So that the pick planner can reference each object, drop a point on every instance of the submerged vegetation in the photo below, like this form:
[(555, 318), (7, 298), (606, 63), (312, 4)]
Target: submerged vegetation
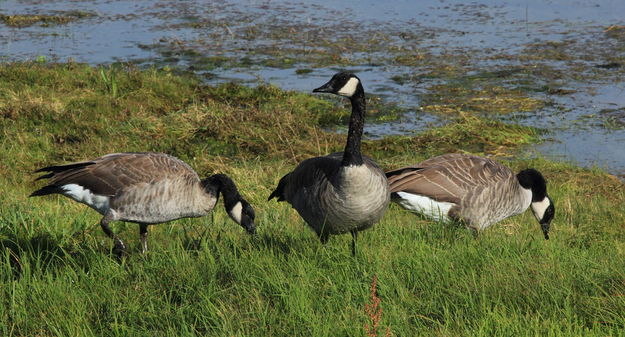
[(207, 277)]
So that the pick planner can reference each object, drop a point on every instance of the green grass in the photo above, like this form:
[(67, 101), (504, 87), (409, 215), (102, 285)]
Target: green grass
[(207, 277)]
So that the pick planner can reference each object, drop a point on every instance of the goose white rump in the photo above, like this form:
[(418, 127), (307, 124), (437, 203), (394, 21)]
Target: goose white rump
[(78, 193), (436, 210)]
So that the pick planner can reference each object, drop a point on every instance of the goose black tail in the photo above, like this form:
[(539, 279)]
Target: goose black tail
[(51, 171), (50, 189), (61, 168)]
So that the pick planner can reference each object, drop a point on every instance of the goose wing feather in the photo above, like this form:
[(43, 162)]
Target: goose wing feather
[(309, 175), (448, 178), (112, 173)]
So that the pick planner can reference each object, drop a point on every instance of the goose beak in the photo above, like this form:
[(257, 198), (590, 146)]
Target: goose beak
[(325, 88), (249, 227), (251, 230), (545, 228)]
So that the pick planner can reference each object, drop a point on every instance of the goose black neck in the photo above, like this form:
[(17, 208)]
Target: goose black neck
[(352, 155), (534, 180), (224, 185)]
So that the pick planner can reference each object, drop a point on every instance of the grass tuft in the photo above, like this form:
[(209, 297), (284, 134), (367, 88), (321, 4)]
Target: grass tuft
[(464, 134)]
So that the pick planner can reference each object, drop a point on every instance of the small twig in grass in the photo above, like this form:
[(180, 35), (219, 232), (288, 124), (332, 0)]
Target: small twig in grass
[(374, 311)]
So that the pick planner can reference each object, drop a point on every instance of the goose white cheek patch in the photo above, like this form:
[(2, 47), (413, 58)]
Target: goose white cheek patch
[(539, 208), (236, 213), (349, 89)]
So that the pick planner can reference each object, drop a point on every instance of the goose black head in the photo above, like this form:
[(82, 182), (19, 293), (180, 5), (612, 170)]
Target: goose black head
[(237, 208), (542, 205), (243, 214), (342, 84)]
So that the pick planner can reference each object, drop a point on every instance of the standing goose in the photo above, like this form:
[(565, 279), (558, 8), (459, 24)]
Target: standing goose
[(341, 192), (476, 190), (145, 188)]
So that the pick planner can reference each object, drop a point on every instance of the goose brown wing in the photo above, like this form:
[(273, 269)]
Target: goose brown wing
[(470, 168), (109, 174), (309, 175), (448, 177), (432, 182), (490, 172), (445, 158)]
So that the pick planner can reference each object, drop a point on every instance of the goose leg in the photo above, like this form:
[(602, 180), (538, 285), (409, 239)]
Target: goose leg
[(119, 247), (143, 233), (324, 237), (354, 238)]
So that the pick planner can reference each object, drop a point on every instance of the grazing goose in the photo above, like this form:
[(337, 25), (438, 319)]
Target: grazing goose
[(476, 190), (145, 188), (344, 191)]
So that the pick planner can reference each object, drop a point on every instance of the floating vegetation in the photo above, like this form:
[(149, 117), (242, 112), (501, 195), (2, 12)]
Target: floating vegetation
[(463, 134), (611, 65), (549, 50), (303, 71), (26, 20), (616, 32), (612, 119), (485, 99)]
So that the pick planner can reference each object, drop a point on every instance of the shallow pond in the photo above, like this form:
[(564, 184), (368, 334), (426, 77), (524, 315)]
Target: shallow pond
[(557, 65)]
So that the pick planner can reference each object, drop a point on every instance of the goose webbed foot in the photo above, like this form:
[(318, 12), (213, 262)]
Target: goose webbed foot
[(119, 249), (545, 229), (324, 237)]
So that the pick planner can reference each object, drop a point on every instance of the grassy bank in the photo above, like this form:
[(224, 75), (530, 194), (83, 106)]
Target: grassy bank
[(206, 276)]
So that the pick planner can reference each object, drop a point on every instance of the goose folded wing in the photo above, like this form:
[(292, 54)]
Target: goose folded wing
[(97, 179), (107, 175), (432, 182)]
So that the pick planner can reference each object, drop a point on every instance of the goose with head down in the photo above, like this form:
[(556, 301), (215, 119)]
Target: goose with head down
[(144, 188), (476, 190)]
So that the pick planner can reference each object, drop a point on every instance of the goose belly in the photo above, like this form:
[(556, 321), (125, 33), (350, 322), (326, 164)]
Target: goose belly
[(360, 201), (488, 216), (436, 210), (156, 204), (492, 206)]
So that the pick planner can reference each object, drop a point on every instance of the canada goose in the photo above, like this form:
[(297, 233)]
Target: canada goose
[(476, 190), (145, 188), (340, 192)]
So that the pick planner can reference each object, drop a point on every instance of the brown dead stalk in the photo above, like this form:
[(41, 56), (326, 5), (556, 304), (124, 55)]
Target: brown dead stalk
[(374, 311)]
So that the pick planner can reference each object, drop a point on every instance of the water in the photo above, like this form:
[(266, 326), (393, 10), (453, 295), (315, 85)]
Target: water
[(478, 36)]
